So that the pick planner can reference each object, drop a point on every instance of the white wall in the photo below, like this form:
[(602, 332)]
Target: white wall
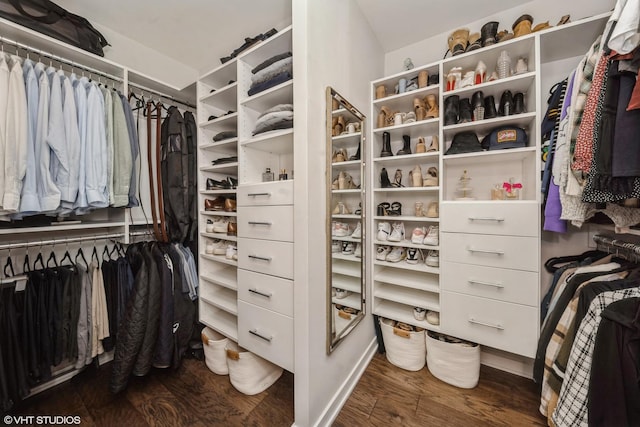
[(342, 52)]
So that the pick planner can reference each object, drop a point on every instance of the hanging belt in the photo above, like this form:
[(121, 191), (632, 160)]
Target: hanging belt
[(163, 228), (154, 216)]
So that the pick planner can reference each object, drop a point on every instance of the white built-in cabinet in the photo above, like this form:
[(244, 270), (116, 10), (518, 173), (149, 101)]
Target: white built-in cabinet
[(248, 299), (487, 286)]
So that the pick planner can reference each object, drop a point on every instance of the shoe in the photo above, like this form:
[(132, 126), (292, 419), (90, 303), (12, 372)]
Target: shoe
[(382, 209), (418, 209), (431, 178), (423, 79), (384, 179), (480, 74), (230, 205), (521, 66), (339, 156), (432, 107), (341, 293), (419, 313), (342, 181), (336, 246), (348, 248), (433, 317), (415, 176), (432, 259), (434, 79), (406, 147), (384, 116), (213, 184), (564, 20), (220, 225), (356, 156), (409, 117), (488, 32), (490, 108), (518, 103), (414, 256), (359, 210), (434, 144), (233, 182), (381, 91), (358, 251), (506, 104), (341, 209), (475, 42), (458, 41), (395, 209), (340, 229), (339, 125), (382, 252), (384, 230), (417, 236), (522, 25), (467, 79), (420, 146), (451, 110), (465, 111), (503, 36), (220, 247), (357, 233), (432, 236), (397, 254), (432, 210), (209, 248), (397, 179), (209, 226), (232, 252), (386, 145), (232, 228), (397, 232), (477, 103), (216, 204), (541, 26), (419, 108)]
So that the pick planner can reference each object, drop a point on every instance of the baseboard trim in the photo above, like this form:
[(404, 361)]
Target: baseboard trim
[(342, 395)]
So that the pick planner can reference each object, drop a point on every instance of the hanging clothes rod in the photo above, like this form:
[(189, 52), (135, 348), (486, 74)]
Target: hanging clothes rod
[(61, 241), (626, 246), (161, 95), (59, 59)]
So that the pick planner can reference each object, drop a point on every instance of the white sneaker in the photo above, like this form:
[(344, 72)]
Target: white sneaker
[(358, 252), (418, 235), (397, 254), (209, 248), (209, 226), (340, 229), (414, 255), (433, 317), (384, 229), (382, 252), (218, 247), (232, 252), (432, 237), (348, 248), (336, 246), (220, 225), (397, 235), (432, 259), (357, 233)]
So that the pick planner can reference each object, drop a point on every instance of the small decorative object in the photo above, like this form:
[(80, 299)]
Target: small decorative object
[(497, 192), (283, 175), (464, 190), (267, 175), (408, 64), (521, 66), (512, 189)]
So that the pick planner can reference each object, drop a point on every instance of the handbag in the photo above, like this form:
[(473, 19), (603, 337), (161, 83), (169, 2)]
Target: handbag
[(52, 20)]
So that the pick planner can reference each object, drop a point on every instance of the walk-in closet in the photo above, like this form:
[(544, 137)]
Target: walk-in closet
[(313, 213)]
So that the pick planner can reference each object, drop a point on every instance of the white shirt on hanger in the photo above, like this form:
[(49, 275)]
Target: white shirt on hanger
[(4, 97), (70, 115)]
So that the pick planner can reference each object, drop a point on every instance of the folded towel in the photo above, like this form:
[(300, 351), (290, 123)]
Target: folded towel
[(276, 108), (274, 120)]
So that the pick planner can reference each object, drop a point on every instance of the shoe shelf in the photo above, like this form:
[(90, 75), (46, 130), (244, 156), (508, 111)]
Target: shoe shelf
[(349, 164), (408, 296), (344, 257), (407, 190), (219, 320), (219, 213), (225, 277), (347, 139), (519, 47), (509, 155), (345, 216), (215, 192), (346, 239), (353, 301), (275, 141), (339, 112), (346, 268), (400, 312), (406, 218), (403, 102), (409, 159), (406, 244), (347, 283), (225, 97), (409, 279), (278, 43), (221, 236), (228, 168), (222, 298), (391, 81), (219, 77), (350, 191), (517, 83), (261, 101), (414, 130), (404, 265), (220, 259), (227, 122), (229, 145), (483, 127)]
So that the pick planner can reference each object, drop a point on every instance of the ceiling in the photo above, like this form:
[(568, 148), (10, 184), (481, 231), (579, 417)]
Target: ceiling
[(195, 31)]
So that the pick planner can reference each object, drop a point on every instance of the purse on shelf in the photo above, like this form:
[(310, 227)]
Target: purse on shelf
[(52, 20)]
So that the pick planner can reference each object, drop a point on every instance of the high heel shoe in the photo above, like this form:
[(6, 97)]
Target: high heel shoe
[(421, 146), (419, 108), (397, 179), (415, 176), (432, 210), (384, 179), (339, 155), (395, 209), (339, 126), (341, 209), (383, 117), (435, 146), (406, 147), (431, 178), (432, 107), (382, 209)]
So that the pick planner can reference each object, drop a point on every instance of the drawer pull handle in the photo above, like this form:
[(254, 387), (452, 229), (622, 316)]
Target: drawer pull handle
[(485, 251), (485, 218), (257, 292), (261, 258), (254, 332), (259, 194), (489, 325), (268, 224), (478, 282)]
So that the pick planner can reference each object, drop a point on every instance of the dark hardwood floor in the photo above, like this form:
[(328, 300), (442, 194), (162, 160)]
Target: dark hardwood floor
[(194, 396)]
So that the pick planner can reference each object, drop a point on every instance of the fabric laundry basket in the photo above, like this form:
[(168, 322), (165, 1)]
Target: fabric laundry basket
[(250, 374), (405, 349), (215, 354), (452, 360), (342, 316)]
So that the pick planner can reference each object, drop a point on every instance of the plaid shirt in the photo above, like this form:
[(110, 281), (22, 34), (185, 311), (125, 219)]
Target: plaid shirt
[(572, 407)]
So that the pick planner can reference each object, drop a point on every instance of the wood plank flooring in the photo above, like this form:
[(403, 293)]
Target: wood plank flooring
[(385, 396)]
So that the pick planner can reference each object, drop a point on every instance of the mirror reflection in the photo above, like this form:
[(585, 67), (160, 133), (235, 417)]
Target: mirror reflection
[(345, 213)]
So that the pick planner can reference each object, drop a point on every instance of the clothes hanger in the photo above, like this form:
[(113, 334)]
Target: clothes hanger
[(67, 256), (553, 264), (52, 256), (39, 259), (80, 254), (105, 253)]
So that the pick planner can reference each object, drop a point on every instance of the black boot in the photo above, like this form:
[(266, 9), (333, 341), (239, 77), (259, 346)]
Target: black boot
[(489, 31), (518, 103), (434, 79), (386, 145), (477, 103), (465, 111), (357, 155), (506, 104), (490, 108), (451, 110), (406, 148), (384, 179)]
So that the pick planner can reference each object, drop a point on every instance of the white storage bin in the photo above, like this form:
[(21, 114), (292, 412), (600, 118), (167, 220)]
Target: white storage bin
[(250, 374), (215, 355), (456, 363), (404, 349)]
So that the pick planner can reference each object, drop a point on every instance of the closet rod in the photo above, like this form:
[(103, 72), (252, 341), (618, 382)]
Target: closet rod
[(59, 59), (160, 94), (61, 241)]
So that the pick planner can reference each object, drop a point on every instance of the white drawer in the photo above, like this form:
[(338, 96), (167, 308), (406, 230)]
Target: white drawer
[(506, 218), (269, 292), (515, 286), (502, 325), (520, 253), (266, 333), (266, 193), (266, 222), (264, 256)]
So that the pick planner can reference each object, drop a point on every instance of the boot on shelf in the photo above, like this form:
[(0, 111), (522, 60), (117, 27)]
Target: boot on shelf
[(489, 32), (518, 103), (381, 91), (406, 148), (477, 103), (475, 42), (423, 79), (415, 176), (384, 179), (435, 145), (383, 116), (465, 111), (421, 146), (451, 110), (357, 155), (490, 107), (458, 41), (386, 145), (419, 108), (432, 107), (506, 104), (522, 26)]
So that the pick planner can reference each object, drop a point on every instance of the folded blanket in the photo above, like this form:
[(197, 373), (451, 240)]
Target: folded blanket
[(270, 61), (275, 108), (225, 135), (272, 70), (273, 121), (280, 78)]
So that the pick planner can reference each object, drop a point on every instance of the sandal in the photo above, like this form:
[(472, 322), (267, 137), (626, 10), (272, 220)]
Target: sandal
[(434, 144), (395, 209), (431, 179), (397, 179), (383, 209)]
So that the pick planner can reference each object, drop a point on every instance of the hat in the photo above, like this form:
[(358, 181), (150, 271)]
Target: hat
[(505, 137), (464, 142)]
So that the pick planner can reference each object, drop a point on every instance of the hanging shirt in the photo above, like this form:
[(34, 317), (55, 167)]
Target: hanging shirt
[(122, 162), (16, 139), (69, 192), (4, 97), (99, 313), (81, 206), (56, 137), (96, 149), (48, 193), (133, 140), (29, 203), (625, 36), (108, 123)]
